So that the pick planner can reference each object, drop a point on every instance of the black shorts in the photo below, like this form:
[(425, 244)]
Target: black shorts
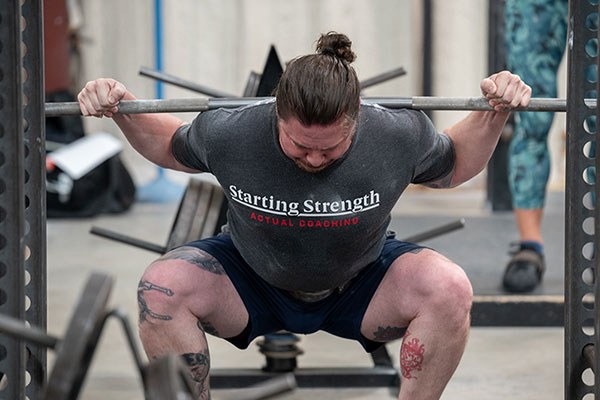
[(272, 309)]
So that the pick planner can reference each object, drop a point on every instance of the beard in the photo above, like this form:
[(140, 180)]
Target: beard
[(309, 168)]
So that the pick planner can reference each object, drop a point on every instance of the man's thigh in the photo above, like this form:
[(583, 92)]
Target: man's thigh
[(414, 281), (189, 279)]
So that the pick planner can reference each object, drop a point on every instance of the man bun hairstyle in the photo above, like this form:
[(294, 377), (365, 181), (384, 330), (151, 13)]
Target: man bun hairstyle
[(337, 45), (323, 87)]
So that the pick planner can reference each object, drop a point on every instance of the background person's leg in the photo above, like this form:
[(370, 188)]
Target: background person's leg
[(535, 39)]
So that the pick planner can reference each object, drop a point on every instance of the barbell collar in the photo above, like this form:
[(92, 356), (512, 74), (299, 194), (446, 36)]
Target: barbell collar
[(416, 103)]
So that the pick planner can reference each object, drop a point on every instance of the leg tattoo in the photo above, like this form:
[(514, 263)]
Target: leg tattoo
[(389, 333), (145, 312), (207, 327), (411, 356), (199, 364), (197, 257)]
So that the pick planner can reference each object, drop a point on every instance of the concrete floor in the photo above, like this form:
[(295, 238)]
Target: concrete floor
[(523, 363)]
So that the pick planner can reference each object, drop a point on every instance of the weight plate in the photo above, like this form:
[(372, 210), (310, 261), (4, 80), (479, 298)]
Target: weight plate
[(75, 350), (198, 214)]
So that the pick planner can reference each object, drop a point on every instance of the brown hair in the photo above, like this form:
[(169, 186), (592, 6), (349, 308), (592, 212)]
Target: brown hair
[(320, 88)]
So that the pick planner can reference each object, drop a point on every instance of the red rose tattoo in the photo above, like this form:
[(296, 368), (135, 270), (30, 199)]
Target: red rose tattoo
[(411, 356)]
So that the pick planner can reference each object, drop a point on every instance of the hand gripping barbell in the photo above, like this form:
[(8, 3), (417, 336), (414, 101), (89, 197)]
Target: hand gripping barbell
[(416, 103)]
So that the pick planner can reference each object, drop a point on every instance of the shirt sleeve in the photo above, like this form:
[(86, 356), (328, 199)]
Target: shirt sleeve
[(437, 153), (189, 144)]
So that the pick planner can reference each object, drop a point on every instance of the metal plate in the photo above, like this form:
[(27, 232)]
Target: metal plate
[(168, 378), (198, 213), (75, 351)]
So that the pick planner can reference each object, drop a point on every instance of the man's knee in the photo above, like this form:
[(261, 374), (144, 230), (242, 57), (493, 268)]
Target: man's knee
[(456, 289), (178, 278), (158, 294), (445, 287)]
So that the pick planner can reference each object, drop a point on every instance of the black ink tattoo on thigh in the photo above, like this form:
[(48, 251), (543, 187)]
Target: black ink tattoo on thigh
[(388, 333), (145, 312), (207, 327), (197, 257)]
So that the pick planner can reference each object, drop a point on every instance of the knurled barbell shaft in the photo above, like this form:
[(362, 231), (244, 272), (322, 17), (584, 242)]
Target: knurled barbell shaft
[(416, 103)]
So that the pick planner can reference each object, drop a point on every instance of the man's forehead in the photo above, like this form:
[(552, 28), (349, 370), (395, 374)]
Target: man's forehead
[(321, 137)]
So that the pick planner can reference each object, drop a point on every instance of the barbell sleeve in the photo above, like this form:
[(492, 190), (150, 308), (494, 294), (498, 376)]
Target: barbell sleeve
[(19, 329), (416, 103)]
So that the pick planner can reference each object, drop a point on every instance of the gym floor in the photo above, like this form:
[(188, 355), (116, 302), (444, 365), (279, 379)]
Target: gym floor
[(515, 363)]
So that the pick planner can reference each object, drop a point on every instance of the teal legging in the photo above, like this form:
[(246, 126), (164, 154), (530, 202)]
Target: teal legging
[(536, 32)]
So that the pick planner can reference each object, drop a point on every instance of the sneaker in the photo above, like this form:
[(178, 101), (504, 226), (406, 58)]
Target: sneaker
[(524, 271)]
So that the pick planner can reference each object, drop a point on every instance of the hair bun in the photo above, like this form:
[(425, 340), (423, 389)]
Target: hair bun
[(337, 45)]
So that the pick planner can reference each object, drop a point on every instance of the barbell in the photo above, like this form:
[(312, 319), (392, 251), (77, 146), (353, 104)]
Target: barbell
[(200, 104)]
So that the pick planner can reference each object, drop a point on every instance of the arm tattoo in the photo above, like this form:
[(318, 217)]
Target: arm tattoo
[(145, 311), (199, 364), (207, 327), (442, 183), (411, 356), (389, 333), (195, 256)]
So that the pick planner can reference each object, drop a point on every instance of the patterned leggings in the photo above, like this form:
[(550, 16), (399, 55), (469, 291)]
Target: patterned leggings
[(536, 32)]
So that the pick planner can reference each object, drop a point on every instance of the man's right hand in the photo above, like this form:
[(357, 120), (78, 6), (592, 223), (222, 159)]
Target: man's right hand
[(100, 97)]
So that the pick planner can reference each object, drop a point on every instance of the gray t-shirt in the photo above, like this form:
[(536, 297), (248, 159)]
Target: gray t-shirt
[(312, 231)]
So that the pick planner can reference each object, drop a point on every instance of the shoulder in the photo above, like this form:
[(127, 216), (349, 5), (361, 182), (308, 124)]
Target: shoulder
[(223, 122), (260, 109), (401, 120), (405, 115)]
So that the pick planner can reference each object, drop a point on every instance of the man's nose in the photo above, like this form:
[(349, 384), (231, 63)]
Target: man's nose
[(315, 158)]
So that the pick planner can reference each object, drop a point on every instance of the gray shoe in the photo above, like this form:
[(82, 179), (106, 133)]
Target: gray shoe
[(524, 271)]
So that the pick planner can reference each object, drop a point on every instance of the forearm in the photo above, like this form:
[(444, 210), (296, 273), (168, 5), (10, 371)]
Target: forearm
[(475, 138)]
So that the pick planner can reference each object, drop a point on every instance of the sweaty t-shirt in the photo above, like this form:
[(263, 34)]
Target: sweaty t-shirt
[(312, 231)]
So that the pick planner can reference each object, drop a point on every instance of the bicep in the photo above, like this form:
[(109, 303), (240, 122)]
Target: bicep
[(188, 149), (437, 163)]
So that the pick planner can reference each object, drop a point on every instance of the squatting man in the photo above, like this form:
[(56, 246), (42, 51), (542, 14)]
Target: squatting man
[(314, 143)]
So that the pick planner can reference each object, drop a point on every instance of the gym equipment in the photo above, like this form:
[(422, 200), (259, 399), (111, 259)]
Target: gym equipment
[(383, 77), (280, 351), (415, 103), (182, 83), (272, 67), (163, 378), (201, 213), (74, 352), (178, 384)]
